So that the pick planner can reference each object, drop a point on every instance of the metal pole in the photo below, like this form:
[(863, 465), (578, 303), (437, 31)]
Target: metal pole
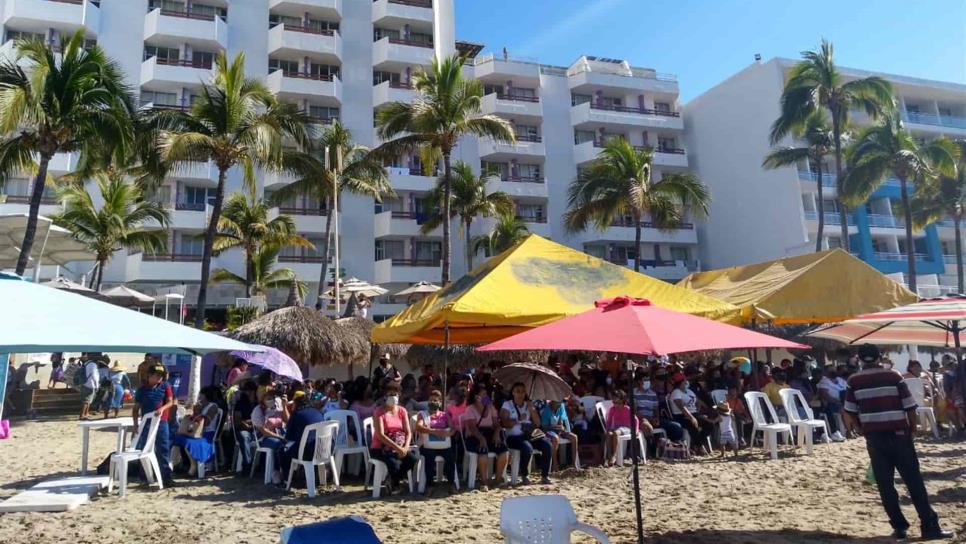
[(634, 444), (959, 359)]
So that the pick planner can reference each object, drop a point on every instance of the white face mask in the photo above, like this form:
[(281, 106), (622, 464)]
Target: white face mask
[(647, 384), (392, 400)]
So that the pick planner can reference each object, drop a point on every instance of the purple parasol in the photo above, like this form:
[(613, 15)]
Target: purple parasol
[(273, 360)]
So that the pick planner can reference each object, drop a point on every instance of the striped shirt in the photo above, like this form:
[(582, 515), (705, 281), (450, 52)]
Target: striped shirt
[(881, 400)]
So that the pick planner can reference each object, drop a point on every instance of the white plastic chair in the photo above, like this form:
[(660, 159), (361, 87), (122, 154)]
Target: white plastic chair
[(769, 431), (426, 447), (603, 408), (542, 519), (269, 460), (349, 419), (471, 461), (923, 410), (145, 456), (589, 403), (803, 427), (561, 441), (379, 469), (201, 466), (324, 433)]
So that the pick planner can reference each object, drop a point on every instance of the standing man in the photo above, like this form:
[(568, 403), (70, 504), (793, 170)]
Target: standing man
[(155, 395), (90, 385), (886, 412)]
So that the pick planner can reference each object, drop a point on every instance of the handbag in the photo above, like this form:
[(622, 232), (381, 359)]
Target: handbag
[(189, 427)]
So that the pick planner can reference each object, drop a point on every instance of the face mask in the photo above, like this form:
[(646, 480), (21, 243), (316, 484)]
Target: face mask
[(485, 399), (687, 384), (647, 384), (887, 366), (392, 400), (433, 406), (610, 380)]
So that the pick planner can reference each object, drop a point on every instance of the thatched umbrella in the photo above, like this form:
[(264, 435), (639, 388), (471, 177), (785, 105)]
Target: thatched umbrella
[(358, 335), (465, 356), (303, 334)]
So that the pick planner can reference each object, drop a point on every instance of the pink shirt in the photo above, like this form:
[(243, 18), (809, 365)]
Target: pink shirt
[(488, 421), (390, 423), (455, 410), (619, 417), (439, 420)]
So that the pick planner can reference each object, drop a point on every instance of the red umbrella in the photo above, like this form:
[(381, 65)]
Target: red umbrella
[(631, 325)]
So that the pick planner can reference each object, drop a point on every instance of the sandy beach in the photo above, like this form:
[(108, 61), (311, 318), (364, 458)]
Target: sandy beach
[(799, 498)]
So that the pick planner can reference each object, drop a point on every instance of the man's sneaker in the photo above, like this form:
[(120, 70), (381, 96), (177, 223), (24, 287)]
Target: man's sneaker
[(837, 437), (899, 534), (936, 533)]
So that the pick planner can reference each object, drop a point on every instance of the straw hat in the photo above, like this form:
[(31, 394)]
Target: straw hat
[(723, 408), (116, 367)]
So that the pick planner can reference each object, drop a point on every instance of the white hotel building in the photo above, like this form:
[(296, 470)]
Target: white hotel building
[(344, 59), (759, 214)]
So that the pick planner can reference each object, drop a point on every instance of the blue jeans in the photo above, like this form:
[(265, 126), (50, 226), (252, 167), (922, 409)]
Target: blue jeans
[(526, 448), (246, 443), (162, 449), (673, 430), (449, 464), (831, 409)]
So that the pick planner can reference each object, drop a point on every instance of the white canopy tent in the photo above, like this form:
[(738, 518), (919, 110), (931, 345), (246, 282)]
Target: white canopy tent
[(52, 244)]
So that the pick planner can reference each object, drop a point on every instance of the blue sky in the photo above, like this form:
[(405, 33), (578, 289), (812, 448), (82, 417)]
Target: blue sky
[(705, 41)]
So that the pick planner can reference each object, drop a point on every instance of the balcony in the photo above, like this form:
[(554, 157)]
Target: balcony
[(668, 270), (190, 215), (885, 221), (528, 146), (672, 157), (624, 231), (167, 268), (831, 218), (173, 257), (401, 52), (950, 259), (588, 113), (399, 224), (516, 70), (299, 84), (828, 180), (308, 217), (168, 74), (896, 257), (945, 121), (277, 179), (63, 15), (328, 9), (298, 41), (392, 91), (511, 106), (517, 186), (407, 270), (581, 78), (196, 29), (406, 179), (410, 10)]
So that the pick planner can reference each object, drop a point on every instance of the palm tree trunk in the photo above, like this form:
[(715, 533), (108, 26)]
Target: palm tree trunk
[(447, 191), (820, 206), (469, 246), (31, 230), (910, 247), (637, 243), (843, 212), (209, 244), (249, 268), (101, 263), (325, 250), (959, 252)]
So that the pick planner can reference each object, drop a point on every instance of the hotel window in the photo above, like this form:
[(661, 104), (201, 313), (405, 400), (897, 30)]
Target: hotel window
[(581, 136), (323, 70), (662, 107), (666, 143), (523, 92), (202, 59), (288, 67), (162, 53), (530, 212), (490, 88), (528, 171), (21, 35), (382, 77), (428, 251), (380, 33), (579, 98), (274, 20), (159, 99), (190, 244), (390, 249), (323, 112), (527, 132), (679, 253)]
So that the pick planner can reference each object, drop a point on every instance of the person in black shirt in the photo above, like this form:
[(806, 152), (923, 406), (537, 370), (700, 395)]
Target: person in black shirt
[(242, 414)]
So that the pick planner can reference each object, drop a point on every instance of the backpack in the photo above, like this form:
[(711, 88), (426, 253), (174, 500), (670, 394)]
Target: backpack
[(75, 375)]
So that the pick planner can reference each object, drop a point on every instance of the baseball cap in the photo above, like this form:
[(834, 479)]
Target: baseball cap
[(868, 353)]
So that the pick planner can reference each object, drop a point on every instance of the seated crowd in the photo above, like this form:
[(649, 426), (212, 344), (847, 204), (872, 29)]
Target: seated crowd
[(685, 404)]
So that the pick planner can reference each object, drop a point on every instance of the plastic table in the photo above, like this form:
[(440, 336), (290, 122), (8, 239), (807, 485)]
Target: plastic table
[(120, 423)]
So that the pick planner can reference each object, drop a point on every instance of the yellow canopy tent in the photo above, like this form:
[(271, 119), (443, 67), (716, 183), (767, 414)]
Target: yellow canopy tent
[(531, 284), (813, 288)]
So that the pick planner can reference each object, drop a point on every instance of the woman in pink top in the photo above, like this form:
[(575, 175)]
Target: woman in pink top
[(391, 437), (483, 434), (618, 423), (436, 428), (457, 404)]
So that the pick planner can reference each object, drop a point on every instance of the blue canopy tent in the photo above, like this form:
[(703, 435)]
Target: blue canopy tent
[(36, 318)]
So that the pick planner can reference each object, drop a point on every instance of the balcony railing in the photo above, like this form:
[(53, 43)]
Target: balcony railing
[(626, 109), (300, 258), (400, 85), (650, 225), (524, 179), (190, 206), (936, 120), (296, 210), (204, 65), (535, 138), (415, 262), (531, 219), (321, 120), (517, 97), (828, 180), (670, 150), (949, 259), (415, 3), (890, 256), (76, 2), (25, 199), (186, 14), (404, 215), (303, 75), (304, 29), (173, 257), (888, 221), (831, 218), (414, 43)]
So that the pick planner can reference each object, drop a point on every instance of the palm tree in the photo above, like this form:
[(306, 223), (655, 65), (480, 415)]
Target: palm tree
[(236, 121), (619, 183), (448, 107), (943, 197), (468, 200), (73, 99), (816, 84), (885, 149), (264, 274), (124, 220), (334, 161), (508, 232), (819, 143), (244, 222)]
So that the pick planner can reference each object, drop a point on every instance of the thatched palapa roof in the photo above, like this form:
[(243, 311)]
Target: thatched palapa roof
[(466, 356), (303, 334)]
